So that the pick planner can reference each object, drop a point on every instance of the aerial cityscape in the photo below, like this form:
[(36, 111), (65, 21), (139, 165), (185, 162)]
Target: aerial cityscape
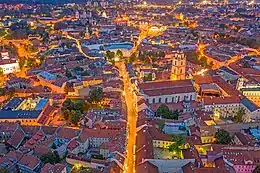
[(129, 86)]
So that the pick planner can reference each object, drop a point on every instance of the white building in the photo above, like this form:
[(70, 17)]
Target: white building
[(252, 111), (168, 91), (7, 64)]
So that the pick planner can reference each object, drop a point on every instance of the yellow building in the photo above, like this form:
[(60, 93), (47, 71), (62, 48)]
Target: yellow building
[(178, 66), (250, 90)]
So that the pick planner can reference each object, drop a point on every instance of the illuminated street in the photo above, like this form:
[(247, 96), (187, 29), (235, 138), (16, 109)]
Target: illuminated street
[(79, 46), (129, 165), (151, 86)]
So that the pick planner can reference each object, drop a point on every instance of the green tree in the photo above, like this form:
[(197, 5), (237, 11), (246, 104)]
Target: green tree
[(79, 105), (132, 58), (22, 62), (31, 62), (203, 61), (96, 95), (76, 116), (2, 91), (66, 114), (53, 146), (175, 114), (68, 74), (3, 169), (149, 77), (223, 137), (1, 72), (161, 125), (257, 169), (110, 56), (119, 54), (85, 73), (51, 157), (163, 111), (239, 115), (179, 142), (78, 69)]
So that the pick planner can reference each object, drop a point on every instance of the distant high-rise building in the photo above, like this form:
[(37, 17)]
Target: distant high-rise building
[(178, 66)]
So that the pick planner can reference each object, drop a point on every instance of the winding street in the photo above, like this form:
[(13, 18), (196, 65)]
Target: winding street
[(79, 46)]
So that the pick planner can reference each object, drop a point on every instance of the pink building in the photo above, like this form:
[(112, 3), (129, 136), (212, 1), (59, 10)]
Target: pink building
[(242, 159)]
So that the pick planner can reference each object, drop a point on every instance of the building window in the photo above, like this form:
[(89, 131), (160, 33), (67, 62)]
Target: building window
[(166, 100), (153, 100), (159, 100)]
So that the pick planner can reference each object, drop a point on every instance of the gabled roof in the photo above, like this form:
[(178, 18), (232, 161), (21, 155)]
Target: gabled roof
[(17, 138), (29, 161), (49, 168), (67, 133), (147, 167)]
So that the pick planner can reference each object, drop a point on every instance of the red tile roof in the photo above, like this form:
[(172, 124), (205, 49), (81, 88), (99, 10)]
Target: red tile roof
[(166, 87), (17, 138), (72, 145), (11, 157), (29, 161), (147, 167), (67, 133), (49, 168), (164, 84), (144, 145), (8, 127), (221, 100), (97, 133), (41, 150)]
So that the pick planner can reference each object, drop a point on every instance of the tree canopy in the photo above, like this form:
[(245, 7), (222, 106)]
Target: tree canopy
[(51, 157), (96, 95), (239, 115), (73, 110), (119, 54), (257, 169), (179, 142), (1, 72), (164, 112), (3, 169), (223, 137), (110, 56)]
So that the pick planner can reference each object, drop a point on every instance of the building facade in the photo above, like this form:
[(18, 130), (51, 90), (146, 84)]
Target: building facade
[(178, 66)]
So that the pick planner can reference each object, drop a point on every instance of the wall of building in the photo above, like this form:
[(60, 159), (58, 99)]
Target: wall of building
[(161, 144), (174, 98), (10, 68)]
